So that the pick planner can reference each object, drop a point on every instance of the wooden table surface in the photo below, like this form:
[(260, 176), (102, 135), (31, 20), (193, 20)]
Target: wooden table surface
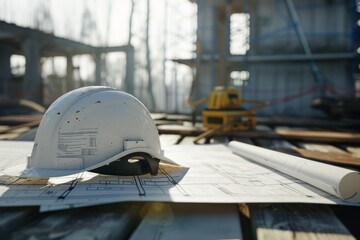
[(158, 220), (183, 221)]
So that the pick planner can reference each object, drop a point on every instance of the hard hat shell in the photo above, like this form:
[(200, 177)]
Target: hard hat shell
[(91, 127)]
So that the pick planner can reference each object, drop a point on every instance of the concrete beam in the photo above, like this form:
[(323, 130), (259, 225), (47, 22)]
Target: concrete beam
[(236, 59)]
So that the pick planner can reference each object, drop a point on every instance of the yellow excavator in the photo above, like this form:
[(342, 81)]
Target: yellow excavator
[(225, 111)]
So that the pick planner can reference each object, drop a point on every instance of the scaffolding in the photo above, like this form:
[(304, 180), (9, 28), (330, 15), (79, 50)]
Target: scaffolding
[(297, 50)]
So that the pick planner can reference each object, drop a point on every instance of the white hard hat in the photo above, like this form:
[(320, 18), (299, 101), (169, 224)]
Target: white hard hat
[(95, 129)]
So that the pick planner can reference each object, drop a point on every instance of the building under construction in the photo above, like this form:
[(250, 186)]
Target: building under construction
[(245, 122), (287, 53)]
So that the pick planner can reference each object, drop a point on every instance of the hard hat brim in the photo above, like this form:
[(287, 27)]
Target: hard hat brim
[(23, 171)]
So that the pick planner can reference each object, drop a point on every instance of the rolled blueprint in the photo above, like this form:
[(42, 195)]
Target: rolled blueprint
[(341, 182)]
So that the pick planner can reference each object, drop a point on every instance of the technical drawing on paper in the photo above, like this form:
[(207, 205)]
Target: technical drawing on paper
[(212, 174)]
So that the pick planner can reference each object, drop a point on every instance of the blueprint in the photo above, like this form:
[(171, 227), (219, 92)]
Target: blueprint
[(341, 182), (208, 174)]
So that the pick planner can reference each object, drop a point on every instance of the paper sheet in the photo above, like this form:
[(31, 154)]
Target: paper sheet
[(341, 182), (215, 175)]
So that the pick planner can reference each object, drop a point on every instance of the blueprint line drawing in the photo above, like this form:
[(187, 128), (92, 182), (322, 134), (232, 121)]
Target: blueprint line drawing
[(139, 186), (207, 174)]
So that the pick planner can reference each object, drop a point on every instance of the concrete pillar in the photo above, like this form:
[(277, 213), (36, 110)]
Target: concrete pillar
[(98, 69), (129, 77), (5, 69), (223, 42), (32, 83), (206, 48), (70, 85)]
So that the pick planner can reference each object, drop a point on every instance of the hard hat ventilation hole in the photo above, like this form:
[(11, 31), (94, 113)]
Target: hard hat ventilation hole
[(98, 101), (132, 164), (77, 111), (58, 113)]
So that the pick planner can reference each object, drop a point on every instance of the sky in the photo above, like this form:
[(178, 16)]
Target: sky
[(66, 16)]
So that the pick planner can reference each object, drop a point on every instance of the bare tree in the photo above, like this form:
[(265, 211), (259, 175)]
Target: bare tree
[(131, 21), (43, 19), (148, 57)]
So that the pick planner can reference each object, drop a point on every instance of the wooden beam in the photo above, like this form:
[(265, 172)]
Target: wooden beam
[(31, 124), (330, 157), (317, 136), (296, 221), (18, 119), (53, 45), (189, 221), (14, 218), (115, 221)]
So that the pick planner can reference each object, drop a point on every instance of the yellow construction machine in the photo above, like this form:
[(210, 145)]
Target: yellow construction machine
[(225, 110)]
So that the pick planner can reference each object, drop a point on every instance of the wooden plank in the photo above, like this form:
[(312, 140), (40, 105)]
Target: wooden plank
[(115, 221), (19, 119), (307, 122), (338, 158), (322, 152), (13, 132), (4, 127), (289, 134), (245, 220), (190, 140), (328, 154), (8, 136), (20, 130), (14, 218), (158, 116), (208, 134), (178, 117), (189, 221), (284, 121), (180, 130), (28, 125), (326, 148), (355, 151), (318, 135), (296, 221), (167, 122)]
